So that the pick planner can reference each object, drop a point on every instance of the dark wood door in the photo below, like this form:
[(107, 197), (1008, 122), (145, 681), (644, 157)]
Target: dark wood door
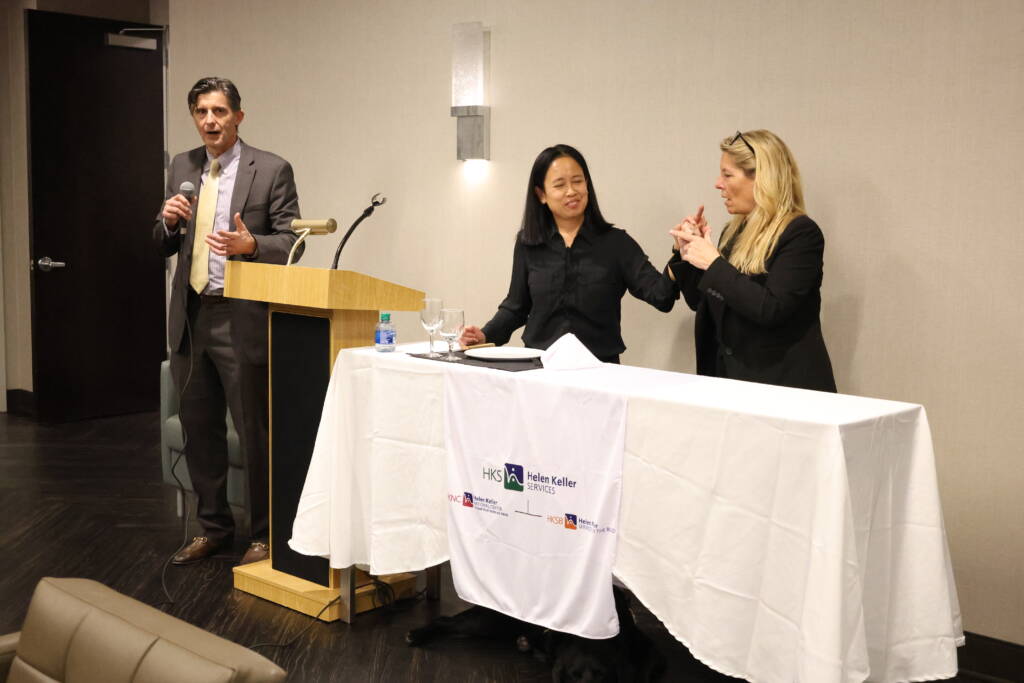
[(96, 156)]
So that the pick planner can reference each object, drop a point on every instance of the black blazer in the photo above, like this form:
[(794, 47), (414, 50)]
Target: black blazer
[(266, 197), (763, 328)]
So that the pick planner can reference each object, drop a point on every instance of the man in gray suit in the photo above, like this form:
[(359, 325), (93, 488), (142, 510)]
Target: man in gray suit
[(246, 202)]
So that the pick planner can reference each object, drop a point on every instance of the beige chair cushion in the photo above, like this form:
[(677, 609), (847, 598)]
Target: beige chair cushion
[(8, 645), (80, 631)]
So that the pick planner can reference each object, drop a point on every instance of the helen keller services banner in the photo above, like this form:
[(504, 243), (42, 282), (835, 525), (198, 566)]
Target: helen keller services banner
[(534, 481)]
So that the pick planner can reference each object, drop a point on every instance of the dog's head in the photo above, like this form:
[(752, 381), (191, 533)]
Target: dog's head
[(579, 660), (575, 666)]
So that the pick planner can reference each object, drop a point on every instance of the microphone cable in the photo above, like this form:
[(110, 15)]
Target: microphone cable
[(294, 639), (388, 601), (182, 493)]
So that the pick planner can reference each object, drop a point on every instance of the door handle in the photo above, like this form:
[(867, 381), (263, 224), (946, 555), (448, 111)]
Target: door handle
[(47, 264)]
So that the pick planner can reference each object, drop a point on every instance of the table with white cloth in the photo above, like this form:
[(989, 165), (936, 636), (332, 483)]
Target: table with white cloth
[(780, 534)]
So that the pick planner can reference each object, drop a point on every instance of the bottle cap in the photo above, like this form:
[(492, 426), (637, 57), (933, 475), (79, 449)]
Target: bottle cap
[(385, 317)]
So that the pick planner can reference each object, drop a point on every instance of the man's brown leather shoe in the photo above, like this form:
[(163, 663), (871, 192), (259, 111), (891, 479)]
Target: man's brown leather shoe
[(257, 552), (200, 548)]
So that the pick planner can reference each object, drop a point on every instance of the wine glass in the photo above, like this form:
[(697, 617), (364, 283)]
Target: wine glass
[(452, 322), (430, 318)]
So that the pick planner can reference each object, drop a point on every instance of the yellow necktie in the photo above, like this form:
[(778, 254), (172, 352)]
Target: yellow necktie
[(205, 212)]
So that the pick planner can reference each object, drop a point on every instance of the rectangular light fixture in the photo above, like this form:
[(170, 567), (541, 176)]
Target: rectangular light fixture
[(470, 67)]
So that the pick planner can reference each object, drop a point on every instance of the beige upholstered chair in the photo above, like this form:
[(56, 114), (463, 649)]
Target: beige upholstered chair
[(79, 630)]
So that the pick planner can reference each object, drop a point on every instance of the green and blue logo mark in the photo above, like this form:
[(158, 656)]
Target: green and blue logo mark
[(513, 477)]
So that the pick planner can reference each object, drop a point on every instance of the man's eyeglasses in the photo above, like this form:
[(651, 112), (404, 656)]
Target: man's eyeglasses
[(739, 136)]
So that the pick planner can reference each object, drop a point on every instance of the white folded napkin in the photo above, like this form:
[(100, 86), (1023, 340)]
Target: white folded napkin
[(569, 353)]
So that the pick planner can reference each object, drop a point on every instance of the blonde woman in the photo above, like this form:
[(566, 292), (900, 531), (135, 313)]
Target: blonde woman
[(757, 293)]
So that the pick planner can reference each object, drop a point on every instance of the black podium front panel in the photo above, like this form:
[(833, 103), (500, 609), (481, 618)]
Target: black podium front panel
[(300, 371)]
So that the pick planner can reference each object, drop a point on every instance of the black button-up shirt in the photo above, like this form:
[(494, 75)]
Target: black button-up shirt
[(555, 290)]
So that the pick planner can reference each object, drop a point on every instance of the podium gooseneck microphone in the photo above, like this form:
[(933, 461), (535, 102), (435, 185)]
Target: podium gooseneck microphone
[(188, 191), (375, 201), (305, 228)]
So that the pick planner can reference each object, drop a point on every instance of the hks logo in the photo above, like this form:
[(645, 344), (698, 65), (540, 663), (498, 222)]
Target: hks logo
[(513, 477)]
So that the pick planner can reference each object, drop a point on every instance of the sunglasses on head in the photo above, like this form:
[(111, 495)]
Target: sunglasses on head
[(739, 136)]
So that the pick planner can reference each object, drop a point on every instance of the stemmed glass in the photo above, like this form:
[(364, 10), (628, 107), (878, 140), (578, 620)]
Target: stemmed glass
[(430, 318), (452, 322)]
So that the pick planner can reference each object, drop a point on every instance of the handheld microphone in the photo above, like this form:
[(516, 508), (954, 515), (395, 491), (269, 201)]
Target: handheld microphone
[(187, 190), (375, 201)]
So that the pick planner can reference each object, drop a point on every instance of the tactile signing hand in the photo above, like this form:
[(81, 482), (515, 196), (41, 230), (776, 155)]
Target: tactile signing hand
[(692, 240)]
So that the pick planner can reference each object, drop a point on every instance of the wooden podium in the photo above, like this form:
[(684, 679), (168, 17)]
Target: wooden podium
[(314, 313)]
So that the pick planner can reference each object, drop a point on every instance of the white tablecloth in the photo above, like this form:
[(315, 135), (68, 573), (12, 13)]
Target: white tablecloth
[(781, 534)]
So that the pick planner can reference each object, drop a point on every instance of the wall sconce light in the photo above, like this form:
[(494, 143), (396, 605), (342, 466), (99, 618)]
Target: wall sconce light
[(471, 57)]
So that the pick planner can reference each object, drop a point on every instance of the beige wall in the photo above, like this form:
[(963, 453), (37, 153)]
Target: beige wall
[(905, 118), (14, 237)]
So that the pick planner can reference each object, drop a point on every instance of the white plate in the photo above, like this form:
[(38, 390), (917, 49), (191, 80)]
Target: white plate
[(504, 353)]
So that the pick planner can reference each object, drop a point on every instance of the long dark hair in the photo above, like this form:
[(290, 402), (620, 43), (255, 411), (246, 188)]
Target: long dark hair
[(537, 219)]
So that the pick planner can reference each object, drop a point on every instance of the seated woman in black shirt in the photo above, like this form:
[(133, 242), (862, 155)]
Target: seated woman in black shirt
[(570, 266), (758, 294)]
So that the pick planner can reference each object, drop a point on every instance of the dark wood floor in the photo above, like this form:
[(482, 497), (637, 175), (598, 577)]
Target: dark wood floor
[(86, 500)]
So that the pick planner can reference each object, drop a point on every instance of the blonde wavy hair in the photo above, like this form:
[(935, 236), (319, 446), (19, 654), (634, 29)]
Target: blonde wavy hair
[(778, 195)]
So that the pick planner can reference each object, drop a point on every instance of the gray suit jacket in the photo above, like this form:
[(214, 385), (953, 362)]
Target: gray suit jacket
[(265, 195)]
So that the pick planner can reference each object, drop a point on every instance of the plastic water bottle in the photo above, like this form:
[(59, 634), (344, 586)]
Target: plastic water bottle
[(384, 337)]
